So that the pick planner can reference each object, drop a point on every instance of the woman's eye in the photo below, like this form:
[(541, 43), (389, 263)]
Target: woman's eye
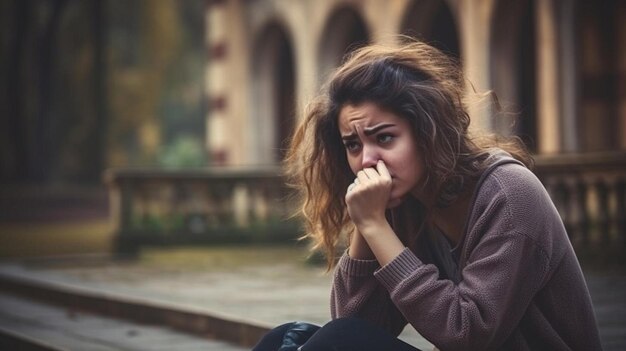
[(351, 145), (384, 138)]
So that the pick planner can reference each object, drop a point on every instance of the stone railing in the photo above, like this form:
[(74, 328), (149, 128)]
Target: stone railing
[(589, 190), (237, 205), (192, 206)]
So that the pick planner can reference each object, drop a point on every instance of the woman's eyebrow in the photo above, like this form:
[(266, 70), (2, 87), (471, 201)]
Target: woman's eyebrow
[(368, 131), (350, 136), (376, 128)]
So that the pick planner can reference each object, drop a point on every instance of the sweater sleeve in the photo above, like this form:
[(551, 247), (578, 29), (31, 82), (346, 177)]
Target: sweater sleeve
[(357, 293), (504, 271)]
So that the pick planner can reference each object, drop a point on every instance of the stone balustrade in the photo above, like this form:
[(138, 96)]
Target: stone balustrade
[(192, 206), (589, 192), (245, 205)]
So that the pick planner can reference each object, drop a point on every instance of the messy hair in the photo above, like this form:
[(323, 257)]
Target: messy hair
[(414, 81)]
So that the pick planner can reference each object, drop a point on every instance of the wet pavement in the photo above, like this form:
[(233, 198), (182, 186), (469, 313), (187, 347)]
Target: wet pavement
[(268, 285)]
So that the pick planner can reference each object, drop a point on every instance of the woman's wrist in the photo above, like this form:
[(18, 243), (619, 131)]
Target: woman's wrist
[(374, 228), (359, 249), (382, 240)]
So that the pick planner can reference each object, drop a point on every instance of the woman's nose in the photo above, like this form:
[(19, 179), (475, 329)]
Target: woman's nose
[(370, 157)]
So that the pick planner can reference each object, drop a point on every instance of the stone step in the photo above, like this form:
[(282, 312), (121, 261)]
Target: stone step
[(27, 324), (78, 300)]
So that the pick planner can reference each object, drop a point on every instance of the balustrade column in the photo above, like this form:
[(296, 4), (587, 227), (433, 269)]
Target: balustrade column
[(562, 198), (603, 212), (583, 215), (620, 214)]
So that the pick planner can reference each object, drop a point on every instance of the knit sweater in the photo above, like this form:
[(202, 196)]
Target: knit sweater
[(520, 286)]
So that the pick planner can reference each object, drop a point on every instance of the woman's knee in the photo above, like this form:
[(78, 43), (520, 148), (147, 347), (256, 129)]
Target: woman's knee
[(354, 334), (273, 339), (339, 331), (286, 337), (340, 325)]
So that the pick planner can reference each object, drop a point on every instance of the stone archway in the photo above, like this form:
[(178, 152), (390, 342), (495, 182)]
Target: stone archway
[(273, 95), (599, 58), (513, 69), (433, 22), (344, 31)]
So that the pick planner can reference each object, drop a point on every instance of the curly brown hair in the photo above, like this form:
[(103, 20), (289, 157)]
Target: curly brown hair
[(415, 81)]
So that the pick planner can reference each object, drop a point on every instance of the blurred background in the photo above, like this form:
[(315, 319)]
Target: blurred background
[(127, 126), (171, 116), (86, 86)]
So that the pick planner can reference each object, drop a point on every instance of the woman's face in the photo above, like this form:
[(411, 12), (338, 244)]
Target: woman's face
[(371, 134)]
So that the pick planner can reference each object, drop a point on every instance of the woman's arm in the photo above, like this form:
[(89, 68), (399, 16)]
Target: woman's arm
[(513, 241), (356, 292)]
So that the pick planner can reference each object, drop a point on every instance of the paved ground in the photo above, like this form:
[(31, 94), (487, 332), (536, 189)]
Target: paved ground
[(69, 330), (268, 285)]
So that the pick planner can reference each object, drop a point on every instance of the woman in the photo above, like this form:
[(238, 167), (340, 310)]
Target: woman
[(449, 233)]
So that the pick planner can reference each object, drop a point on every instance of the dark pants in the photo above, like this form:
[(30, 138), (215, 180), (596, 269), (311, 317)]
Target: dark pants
[(344, 334)]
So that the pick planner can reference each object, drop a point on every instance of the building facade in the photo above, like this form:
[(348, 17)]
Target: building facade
[(558, 68)]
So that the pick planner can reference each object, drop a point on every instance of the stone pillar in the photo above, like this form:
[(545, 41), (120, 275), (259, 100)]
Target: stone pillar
[(569, 77), (384, 19), (548, 109), (621, 70), (474, 22), (216, 73), (304, 54)]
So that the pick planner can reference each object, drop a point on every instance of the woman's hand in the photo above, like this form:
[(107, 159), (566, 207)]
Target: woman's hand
[(367, 198), (367, 202)]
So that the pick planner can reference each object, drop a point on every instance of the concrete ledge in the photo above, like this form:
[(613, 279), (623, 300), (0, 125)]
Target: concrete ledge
[(10, 340), (188, 319)]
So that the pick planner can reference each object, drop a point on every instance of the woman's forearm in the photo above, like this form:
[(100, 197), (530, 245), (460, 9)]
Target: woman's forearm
[(379, 242)]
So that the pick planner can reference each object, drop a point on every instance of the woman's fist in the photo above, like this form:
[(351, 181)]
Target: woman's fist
[(367, 197)]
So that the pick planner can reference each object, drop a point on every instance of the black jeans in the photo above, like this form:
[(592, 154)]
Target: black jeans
[(343, 334)]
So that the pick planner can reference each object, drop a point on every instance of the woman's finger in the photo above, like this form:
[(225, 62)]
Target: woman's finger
[(350, 187), (362, 177), (371, 173), (382, 169)]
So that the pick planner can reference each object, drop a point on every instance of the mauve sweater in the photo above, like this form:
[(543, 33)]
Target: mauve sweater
[(520, 284)]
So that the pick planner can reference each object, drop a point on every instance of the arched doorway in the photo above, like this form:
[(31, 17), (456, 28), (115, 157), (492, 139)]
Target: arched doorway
[(433, 22), (273, 95), (513, 69), (344, 31)]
